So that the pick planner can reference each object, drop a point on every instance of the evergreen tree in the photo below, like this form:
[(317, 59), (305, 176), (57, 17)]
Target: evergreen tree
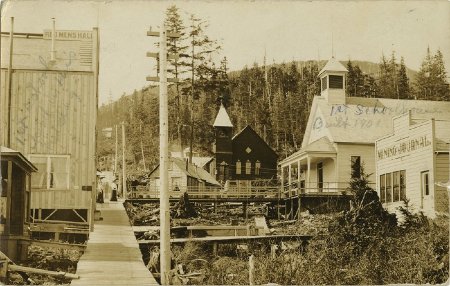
[(403, 81), (431, 81)]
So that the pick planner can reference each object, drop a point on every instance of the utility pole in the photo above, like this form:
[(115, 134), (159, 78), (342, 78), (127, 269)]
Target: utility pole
[(115, 159), (163, 150), (142, 146), (124, 174)]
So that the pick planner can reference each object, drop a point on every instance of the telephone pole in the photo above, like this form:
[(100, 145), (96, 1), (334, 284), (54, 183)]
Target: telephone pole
[(115, 158), (164, 228), (124, 174)]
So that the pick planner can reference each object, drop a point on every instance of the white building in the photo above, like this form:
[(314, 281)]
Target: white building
[(410, 160), (341, 133)]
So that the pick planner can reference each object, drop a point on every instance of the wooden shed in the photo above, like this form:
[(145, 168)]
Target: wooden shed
[(15, 203)]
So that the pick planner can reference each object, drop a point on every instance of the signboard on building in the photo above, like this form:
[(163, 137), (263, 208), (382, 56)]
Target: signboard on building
[(403, 147), (69, 35)]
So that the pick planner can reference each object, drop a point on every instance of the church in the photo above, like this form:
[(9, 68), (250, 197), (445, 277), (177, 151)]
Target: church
[(341, 137), (243, 157)]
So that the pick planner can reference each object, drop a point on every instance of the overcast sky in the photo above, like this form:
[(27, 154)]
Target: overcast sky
[(286, 30)]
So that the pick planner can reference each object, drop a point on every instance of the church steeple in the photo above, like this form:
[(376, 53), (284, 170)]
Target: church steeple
[(222, 118), (332, 82), (223, 147)]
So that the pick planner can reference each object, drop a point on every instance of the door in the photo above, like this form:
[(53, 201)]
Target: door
[(320, 176)]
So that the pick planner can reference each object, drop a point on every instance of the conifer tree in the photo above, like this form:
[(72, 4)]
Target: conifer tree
[(403, 81)]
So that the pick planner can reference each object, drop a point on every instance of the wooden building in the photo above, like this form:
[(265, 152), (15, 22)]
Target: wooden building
[(48, 104), (15, 203), (341, 132), (184, 176), (410, 160), (244, 156)]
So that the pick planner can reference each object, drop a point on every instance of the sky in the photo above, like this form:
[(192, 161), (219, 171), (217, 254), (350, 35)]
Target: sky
[(283, 30)]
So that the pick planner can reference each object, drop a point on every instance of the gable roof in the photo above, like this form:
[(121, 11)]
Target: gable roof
[(322, 145), (363, 120), (222, 118), (248, 128), (191, 171), (333, 66)]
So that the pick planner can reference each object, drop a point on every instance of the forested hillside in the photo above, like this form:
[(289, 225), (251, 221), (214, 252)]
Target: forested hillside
[(274, 99)]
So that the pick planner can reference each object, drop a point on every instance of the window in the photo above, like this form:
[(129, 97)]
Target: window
[(383, 188), (403, 185), (257, 168), (238, 167), (53, 171), (388, 188), (248, 167), (320, 176), (222, 170), (425, 183), (356, 166), (336, 81), (324, 83), (396, 186)]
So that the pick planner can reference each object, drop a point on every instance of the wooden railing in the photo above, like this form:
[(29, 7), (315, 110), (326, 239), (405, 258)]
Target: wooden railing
[(207, 192), (245, 191)]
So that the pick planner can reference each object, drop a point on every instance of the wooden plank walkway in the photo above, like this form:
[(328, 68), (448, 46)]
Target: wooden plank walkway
[(112, 255)]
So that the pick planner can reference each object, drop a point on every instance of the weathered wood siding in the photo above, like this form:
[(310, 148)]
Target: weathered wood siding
[(53, 111), (442, 175)]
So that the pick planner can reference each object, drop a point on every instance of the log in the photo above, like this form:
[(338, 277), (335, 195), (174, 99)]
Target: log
[(18, 268)]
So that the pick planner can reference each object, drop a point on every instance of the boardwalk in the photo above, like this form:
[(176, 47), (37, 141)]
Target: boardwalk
[(112, 256)]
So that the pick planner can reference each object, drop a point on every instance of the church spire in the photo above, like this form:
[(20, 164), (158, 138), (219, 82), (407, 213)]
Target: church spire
[(222, 119)]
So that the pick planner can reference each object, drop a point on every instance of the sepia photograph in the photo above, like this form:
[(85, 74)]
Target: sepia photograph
[(210, 142)]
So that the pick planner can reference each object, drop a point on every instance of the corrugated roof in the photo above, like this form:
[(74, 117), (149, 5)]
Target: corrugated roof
[(222, 119), (363, 120), (333, 66)]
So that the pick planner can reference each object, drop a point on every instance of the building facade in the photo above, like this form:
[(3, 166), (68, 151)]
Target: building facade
[(341, 132), (410, 160), (244, 156), (48, 104)]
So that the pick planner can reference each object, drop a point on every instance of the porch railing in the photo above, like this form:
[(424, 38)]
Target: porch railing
[(315, 187)]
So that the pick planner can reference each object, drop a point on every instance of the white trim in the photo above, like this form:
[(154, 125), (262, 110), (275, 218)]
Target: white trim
[(48, 171)]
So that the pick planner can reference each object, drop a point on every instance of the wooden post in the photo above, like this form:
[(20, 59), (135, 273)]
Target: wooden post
[(10, 71), (115, 159), (124, 174), (142, 147), (8, 198), (251, 270), (163, 161)]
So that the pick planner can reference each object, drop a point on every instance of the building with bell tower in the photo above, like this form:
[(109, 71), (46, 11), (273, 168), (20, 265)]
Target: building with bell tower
[(223, 148)]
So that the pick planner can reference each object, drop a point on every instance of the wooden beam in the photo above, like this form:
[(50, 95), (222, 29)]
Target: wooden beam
[(54, 211), (169, 35), (169, 56), (82, 218), (18, 268), (8, 198), (156, 78)]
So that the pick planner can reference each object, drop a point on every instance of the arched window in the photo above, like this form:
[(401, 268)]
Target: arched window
[(248, 167), (238, 167), (257, 168)]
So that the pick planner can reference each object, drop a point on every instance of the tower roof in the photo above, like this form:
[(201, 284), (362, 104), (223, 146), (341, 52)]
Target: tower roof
[(222, 119), (333, 66)]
